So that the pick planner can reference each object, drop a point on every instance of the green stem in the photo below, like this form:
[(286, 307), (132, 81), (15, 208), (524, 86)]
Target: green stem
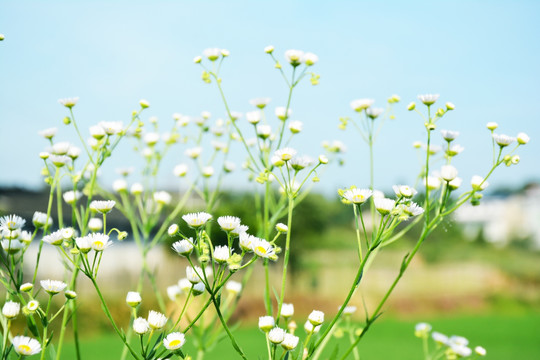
[(286, 257)]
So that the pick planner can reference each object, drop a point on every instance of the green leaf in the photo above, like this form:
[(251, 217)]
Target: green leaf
[(32, 326)]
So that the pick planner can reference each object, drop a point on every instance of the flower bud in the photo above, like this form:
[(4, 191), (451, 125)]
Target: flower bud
[(523, 138), (492, 125), (411, 106)]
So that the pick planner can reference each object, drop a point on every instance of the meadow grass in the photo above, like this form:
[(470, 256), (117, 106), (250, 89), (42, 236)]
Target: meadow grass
[(505, 336)]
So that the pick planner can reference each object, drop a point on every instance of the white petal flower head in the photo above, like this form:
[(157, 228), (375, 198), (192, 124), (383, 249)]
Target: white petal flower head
[(374, 113), (183, 247), (56, 238), (207, 171), (461, 350), (74, 152), (316, 317), (285, 154), (151, 139), (414, 209), (60, 160), (11, 246), (196, 220), (240, 229), (263, 249), (310, 328), (228, 223), (61, 148), (141, 326), (112, 127), (294, 57), (266, 323), (439, 338), (173, 292), (53, 287), (428, 99), (260, 102), (455, 150), (11, 309), (349, 310), (253, 117), (194, 275), (194, 152), (404, 190), (480, 351), (12, 222), (296, 126), (69, 102), (71, 197), (283, 113), (233, 287), (455, 184), (221, 254), (120, 185), (133, 298), (229, 166), (25, 237), (310, 59), (84, 244), (32, 305), (136, 189), (97, 132), (162, 197), (185, 285), (180, 170), (102, 206), (458, 340), (384, 206), (522, 139), (264, 131), (40, 219), (492, 125), (290, 342), (357, 196), (247, 241), (174, 341), (269, 49), (25, 346), (422, 330), (287, 310), (156, 320), (449, 135), (503, 140), (67, 233), (48, 133), (212, 54), (361, 104), (300, 162), (448, 172), (479, 183), (282, 228), (276, 335), (433, 182), (99, 241), (95, 224)]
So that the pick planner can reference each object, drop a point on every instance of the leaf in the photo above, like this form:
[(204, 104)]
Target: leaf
[(32, 327)]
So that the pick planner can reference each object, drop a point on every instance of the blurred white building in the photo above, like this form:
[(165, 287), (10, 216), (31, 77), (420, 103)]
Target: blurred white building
[(503, 219)]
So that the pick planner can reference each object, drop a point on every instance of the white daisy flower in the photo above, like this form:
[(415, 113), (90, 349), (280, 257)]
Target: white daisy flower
[(448, 172), (282, 113), (349, 310), (300, 162), (61, 148), (262, 248), (56, 238), (136, 189), (69, 102), (185, 285), (374, 113), (263, 131), (221, 254), (503, 140), (478, 183), (212, 54), (196, 220), (266, 323), (310, 59), (285, 154), (74, 152), (269, 49), (287, 310), (383, 205), (439, 338), (309, 328), (133, 298), (102, 206), (174, 341), (99, 241), (260, 102), (194, 152), (71, 197), (198, 288), (253, 117), (120, 185), (276, 335), (492, 125), (173, 292), (480, 351), (294, 57), (162, 197), (180, 170), (361, 104), (461, 350), (289, 342), (141, 326), (32, 305), (151, 138), (39, 219), (156, 320), (207, 171), (404, 190), (316, 317), (228, 223), (194, 275), (522, 139), (455, 150), (48, 133), (296, 126), (83, 244), (240, 229), (53, 287), (26, 346), (233, 287), (183, 247), (12, 222), (414, 209), (25, 237), (282, 228), (357, 196), (428, 99), (422, 329), (97, 132), (433, 183), (229, 166), (95, 224), (449, 135), (112, 127), (11, 309)]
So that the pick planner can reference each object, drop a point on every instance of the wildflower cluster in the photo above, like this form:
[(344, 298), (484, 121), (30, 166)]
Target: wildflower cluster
[(446, 347)]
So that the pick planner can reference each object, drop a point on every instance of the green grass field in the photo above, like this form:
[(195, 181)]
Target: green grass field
[(504, 336)]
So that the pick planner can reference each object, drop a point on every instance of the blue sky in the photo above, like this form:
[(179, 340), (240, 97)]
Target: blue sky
[(481, 55)]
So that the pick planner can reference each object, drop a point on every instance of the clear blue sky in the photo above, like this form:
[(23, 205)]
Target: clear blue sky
[(483, 56)]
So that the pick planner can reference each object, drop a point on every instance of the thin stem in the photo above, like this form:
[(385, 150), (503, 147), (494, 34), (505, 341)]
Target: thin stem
[(286, 257)]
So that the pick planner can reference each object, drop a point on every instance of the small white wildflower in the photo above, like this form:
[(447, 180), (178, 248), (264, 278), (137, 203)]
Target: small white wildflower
[(183, 247), (316, 317), (99, 241), (102, 206), (97, 132), (112, 127), (522, 138), (69, 102), (300, 162), (266, 323), (361, 104), (433, 183), (174, 341), (449, 135), (285, 154), (95, 224), (228, 223), (455, 184), (310, 328), (156, 320), (478, 183), (212, 54), (310, 59), (276, 335), (56, 238), (289, 342), (151, 139), (207, 171), (294, 57), (357, 196), (221, 254), (53, 287), (141, 326), (374, 113), (162, 197), (296, 126), (287, 310), (133, 298), (283, 113), (282, 228), (480, 351), (120, 185), (263, 131), (269, 49), (404, 190), (233, 287), (422, 330), (240, 229), (48, 133), (448, 172), (384, 206), (11, 309), (193, 152), (428, 99), (439, 338), (492, 125), (263, 248), (71, 197), (39, 219), (180, 170), (503, 140), (24, 345), (196, 220), (348, 310), (194, 274)]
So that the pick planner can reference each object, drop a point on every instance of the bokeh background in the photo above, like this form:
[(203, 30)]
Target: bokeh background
[(478, 276)]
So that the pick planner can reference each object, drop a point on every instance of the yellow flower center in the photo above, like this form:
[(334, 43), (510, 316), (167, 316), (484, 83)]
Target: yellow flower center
[(358, 198), (24, 349), (174, 343), (261, 250), (98, 244)]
